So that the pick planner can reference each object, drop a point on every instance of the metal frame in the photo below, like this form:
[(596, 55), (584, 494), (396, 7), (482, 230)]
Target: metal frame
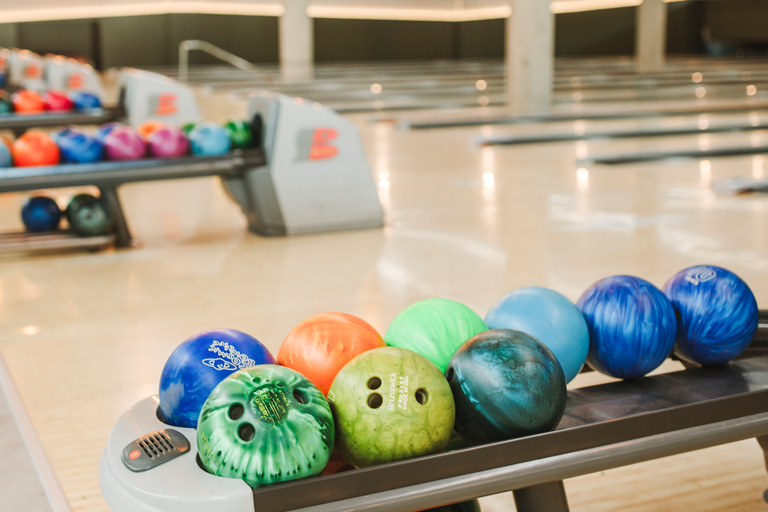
[(195, 44)]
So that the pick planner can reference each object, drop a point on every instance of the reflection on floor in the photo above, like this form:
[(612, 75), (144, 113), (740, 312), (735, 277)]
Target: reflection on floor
[(85, 335)]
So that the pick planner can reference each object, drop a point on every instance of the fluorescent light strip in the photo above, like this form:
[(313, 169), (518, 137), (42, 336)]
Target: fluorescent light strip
[(382, 13), (141, 9), (595, 5)]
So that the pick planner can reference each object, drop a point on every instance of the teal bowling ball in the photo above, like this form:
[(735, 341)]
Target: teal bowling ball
[(87, 216), (6, 158), (549, 317), (209, 139), (266, 424), (505, 384), (198, 364)]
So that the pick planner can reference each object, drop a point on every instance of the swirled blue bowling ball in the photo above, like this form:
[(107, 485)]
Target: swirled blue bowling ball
[(505, 384), (198, 364), (717, 314), (85, 100), (209, 139), (549, 317), (105, 130), (632, 326), (40, 214), (76, 146)]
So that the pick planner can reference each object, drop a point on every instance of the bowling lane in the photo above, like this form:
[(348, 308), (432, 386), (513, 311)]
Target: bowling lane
[(86, 334)]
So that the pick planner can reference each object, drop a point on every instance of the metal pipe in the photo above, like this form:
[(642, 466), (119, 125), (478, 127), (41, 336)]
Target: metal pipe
[(230, 58)]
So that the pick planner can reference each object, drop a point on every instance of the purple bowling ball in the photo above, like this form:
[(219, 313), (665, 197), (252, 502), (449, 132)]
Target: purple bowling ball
[(124, 143), (168, 142)]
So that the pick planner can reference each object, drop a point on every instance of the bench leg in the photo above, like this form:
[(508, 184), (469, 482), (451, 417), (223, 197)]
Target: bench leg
[(112, 202), (763, 440), (549, 497)]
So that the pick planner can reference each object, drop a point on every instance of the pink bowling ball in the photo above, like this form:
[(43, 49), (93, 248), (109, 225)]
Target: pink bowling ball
[(124, 143), (168, 142)]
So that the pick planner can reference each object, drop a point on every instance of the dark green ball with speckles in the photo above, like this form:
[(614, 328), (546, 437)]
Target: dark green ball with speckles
[(266, 424), (389, 404)]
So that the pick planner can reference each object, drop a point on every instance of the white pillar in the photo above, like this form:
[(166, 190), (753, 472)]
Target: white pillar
[(530, 56), (651, 36), (296, 42)]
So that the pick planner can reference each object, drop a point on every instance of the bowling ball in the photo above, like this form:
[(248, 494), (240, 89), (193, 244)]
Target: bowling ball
[(77, 146), (505, 384), (239, 133), (434, 328), (26, 101), (717, 314), (87, 216), (266, 424), (465, 506), (167, 142), (105, 129), (40, 214), (208, 139), (198, 364), (549, 317), (123, 143), (35, 148), (6, 105), (85, 100), (188, 128), (57, 101), (389, 404), (6, 156), (148, 127), (322, 344), (632, 326)]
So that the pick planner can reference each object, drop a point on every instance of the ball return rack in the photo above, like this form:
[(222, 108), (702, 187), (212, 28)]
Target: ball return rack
[(604, 426), (308, 172)]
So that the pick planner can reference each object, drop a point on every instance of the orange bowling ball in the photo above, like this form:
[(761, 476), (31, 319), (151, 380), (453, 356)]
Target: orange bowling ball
[(27, 101), (322, 344), (35, 148), (149, 127)]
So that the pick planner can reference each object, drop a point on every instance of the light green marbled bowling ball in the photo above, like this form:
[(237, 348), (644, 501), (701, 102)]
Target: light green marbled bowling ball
[(389, 404), (265, 424)]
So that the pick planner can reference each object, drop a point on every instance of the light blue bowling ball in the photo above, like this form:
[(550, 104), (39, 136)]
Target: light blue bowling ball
[(6, 159), (209, 139), (198, 365), (549, 317)]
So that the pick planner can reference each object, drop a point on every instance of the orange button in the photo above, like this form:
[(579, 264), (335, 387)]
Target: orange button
[(134, 454)]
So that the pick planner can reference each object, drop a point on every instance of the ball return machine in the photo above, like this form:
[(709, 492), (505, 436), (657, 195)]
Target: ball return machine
[(604, 427)]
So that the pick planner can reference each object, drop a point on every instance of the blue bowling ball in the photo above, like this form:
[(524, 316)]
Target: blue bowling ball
[(632, 326), (209, 139), (6, 158), (85, 100), (40, 214), (198, 365), (78, 147), (717, 314), (549, 317)]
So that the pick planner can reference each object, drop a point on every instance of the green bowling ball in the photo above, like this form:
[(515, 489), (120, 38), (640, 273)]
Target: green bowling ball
[(434, 328), (87, 216), (265, 424), (6, 105), (390, 404), (239, 134), (188, 128)]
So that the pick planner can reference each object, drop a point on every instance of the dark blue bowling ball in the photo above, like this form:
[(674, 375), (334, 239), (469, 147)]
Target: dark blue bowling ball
[(632, 326), (78, 147), (198, 365), (717, 314), (40, 214), (85, 100), (209, 139), (505, 384)]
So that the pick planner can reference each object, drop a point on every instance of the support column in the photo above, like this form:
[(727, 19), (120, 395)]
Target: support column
[(296, 42), (549, 497), (530, 58), (651, 36)]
